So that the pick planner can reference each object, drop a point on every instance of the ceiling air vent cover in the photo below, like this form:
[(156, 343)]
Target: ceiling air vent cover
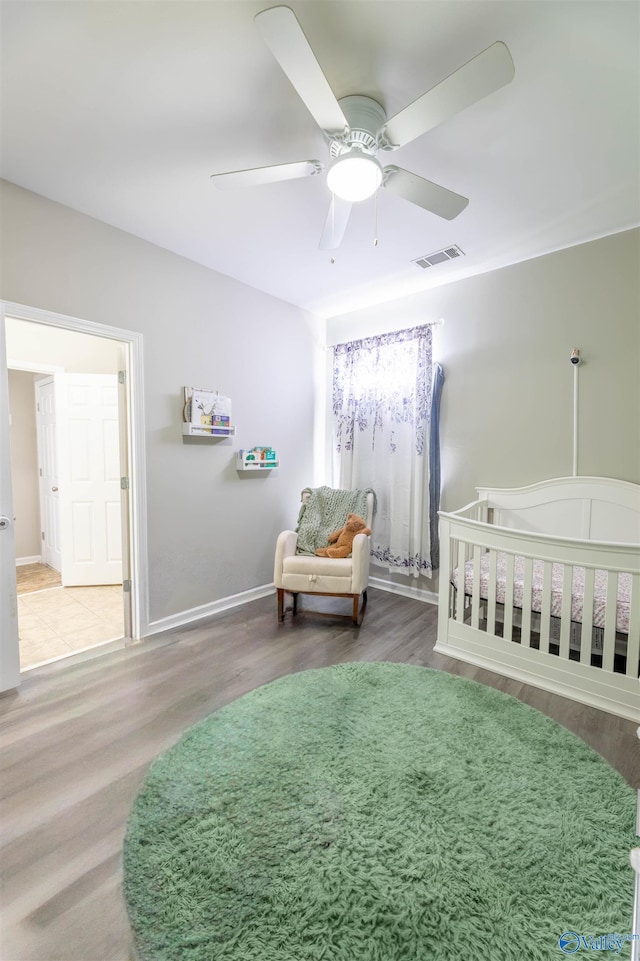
[(439, 257)]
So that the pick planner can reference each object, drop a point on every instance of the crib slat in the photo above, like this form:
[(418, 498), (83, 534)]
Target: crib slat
[(507, 628), (545, 613), (586, 631), (491, 593), (475, 594), (461, 581), (633, 639), (448, 552), (525, 630), (565, 615), (609, 642)]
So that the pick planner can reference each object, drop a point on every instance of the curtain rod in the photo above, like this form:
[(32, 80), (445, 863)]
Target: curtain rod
[(428, 323)]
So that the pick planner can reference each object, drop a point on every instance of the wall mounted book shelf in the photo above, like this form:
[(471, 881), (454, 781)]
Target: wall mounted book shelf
[(206, 413), (257, 459)]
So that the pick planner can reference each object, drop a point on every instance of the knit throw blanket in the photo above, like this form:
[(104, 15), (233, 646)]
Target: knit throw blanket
[(326, 511)]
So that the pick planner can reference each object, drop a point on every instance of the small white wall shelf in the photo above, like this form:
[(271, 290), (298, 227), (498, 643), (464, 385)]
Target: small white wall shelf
[(257, 459), (195, 430), (206, 413)]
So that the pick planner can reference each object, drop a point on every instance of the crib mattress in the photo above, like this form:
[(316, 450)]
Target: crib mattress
[(557, 576)]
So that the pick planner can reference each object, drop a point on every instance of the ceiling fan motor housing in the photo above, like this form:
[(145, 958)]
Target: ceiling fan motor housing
[(365, 118)]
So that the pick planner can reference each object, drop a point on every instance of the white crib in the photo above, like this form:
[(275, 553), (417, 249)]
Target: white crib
[(542, 584)]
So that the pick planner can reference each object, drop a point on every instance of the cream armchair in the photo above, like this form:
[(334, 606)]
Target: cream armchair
[(328, 576)]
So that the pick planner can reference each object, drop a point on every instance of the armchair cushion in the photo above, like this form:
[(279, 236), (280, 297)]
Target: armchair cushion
[(306, 564)]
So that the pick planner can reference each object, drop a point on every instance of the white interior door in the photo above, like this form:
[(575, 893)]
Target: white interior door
[(89, 478), (48, 473)]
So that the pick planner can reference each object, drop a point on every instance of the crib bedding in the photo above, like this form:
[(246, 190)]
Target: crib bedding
[(623, 606)]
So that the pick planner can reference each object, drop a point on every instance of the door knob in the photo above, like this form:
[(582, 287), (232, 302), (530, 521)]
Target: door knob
[(4, 523), (54, 488)]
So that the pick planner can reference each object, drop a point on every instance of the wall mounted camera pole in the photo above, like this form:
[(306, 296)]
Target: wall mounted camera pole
[(575, 361)]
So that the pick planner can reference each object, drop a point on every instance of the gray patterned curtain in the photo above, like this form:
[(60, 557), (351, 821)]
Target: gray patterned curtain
[(386, 403)]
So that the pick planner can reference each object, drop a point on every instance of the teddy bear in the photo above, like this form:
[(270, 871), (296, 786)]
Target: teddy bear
[(342, 540)]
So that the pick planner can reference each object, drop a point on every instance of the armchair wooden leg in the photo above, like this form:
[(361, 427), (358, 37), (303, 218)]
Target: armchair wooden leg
[(364, 604), (358, 606), (358, 618), (280, 604)]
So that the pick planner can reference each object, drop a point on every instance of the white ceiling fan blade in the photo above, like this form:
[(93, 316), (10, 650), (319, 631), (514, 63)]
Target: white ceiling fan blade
[(267, 175), (283, 35), (490, 70), (445, 203), (335, 224)]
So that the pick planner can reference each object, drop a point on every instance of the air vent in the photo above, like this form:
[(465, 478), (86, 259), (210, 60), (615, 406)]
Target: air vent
[(439, 257)]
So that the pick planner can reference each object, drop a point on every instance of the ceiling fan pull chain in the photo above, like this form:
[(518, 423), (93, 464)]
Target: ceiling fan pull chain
[(333, 218), (375, 219), (333, 226)]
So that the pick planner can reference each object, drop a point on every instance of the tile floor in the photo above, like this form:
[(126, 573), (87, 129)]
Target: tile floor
[(63, 620)]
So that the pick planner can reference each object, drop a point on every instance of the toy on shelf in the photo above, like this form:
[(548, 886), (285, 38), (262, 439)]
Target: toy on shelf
[(257, 458), (206, 413)]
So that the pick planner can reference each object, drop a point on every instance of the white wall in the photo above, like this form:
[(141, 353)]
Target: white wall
[(68, 350), (505, 345), (211, 531)]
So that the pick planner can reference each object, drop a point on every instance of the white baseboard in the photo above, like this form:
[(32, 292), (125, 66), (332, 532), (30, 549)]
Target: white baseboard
[(206, 610), (21, 561), (418, 593), (236, 600)]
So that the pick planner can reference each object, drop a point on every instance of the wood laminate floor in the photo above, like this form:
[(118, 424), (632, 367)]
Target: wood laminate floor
[(36, 577), (78, 737)]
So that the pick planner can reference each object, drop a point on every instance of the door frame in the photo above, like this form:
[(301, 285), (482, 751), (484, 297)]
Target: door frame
[(136, 515), (46, 557)]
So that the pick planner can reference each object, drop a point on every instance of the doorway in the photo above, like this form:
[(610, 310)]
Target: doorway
[(70, 595), (41, 344)]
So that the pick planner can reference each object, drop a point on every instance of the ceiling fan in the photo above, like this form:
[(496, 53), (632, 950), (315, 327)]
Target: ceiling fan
[(356, 127)]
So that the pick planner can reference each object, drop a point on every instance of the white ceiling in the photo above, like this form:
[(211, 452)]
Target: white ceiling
[(122, 110)]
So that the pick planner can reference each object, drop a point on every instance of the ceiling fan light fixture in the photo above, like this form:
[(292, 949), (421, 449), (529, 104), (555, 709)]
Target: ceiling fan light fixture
[(354, 176)]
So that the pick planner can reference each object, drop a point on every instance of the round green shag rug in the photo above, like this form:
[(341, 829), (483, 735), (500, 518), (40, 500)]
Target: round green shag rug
[(378, 812)]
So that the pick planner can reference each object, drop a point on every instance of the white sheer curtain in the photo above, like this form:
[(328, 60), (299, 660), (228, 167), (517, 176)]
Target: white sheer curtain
[(382, 424)]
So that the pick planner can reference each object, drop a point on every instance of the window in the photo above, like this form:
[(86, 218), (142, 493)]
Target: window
[(386, 399)]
